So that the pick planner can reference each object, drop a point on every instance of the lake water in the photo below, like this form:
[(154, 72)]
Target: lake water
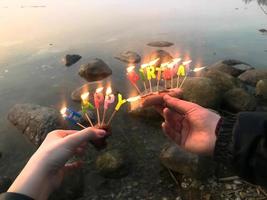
[(35, 35)]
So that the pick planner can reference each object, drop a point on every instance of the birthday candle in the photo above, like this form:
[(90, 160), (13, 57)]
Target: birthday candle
[(72, 116), (133, 77), (109, 99), (193, 70), (158, 69), (121, 101), (184, 71), (166, 74), (86, 105), (171, 67), (98, 98)]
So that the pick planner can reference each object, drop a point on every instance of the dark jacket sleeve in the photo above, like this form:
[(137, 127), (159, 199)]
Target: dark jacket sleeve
[(14, 196), (242, 142)]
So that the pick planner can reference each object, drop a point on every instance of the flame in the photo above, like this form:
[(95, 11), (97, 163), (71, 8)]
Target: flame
[(187, 62), (144, 65), (130, 69), (199, 69), (164, 64), (132, 99), (63, 111), (176, 60), (85, 96), (153, 62), (99, 90), (108, 91)]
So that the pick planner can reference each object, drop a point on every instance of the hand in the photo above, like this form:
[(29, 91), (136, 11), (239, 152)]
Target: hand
[(157, 101), (46, 168), (190, 125)]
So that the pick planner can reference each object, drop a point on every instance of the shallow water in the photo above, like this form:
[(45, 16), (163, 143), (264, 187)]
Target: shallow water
[(34, 39)]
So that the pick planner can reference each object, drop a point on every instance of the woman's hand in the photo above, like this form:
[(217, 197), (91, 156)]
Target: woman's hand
[(190, 125), (46, 168)]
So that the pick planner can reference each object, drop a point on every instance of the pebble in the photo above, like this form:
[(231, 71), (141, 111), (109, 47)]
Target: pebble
[(228, 186), (183, 185), (237, 182)]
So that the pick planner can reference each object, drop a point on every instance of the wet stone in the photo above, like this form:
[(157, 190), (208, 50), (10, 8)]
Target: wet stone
[(160, 44), (129, 57), (69, 60)]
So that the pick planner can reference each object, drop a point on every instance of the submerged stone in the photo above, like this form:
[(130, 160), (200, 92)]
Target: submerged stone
[(96, 70), (129, 57), (251, 77), (261, 88), (163, 56), (160, 44), (71, 59)]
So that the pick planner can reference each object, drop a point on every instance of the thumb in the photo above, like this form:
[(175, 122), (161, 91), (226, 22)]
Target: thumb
[(178, 105), (74, 140)]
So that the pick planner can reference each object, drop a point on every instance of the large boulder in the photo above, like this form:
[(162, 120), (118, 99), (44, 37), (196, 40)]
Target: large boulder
[(176, 159), (96, 70), (202, 91), (251, 77), (35, 121), (163, 56), (160, 44), (69, 60), (129, 57), (231, 67), (112, 164), (261, 88), (237, 100)]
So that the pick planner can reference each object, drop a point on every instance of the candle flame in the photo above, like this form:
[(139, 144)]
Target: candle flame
[(176, 60), (130, 69), (132, 99), (187, 62), (108, 91), (164, 64), (85, 96), (199, 69), (63, 111), (99, 90), (153, 62), (144, 65)]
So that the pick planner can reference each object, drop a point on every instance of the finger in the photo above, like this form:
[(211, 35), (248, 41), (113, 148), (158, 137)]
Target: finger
[(179, 105), (64, 133), (172, 117), (75, 140), (157, 99), (172, 134), (159, 109)]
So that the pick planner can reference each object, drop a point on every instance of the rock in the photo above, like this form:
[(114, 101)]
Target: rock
[(202, 91), (129, 57), (71, 59), (112, 164), (223, 81), (95, 70), (175, 158), (160, 44), (261, 88), (251, 77), (237, 100), (88, 87), (72, 186), (231, 67), (35, 121), (5, 183), (263, 30), (163, 56)]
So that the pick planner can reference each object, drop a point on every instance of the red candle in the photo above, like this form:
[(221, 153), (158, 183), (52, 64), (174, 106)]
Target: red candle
[(98, 97), (133, 77)]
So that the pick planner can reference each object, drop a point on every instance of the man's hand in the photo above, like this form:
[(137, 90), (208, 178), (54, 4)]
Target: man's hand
[(46, 168), (190, 125)]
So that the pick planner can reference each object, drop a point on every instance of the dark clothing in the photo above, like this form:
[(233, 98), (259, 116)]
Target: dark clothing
[(242, 142), (14, 196)]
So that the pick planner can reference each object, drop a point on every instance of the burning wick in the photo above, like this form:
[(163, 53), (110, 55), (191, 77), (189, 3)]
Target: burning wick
[(133, 77), (98, 98), (192, 70), (70, 115), (109, 99), (86, 105)]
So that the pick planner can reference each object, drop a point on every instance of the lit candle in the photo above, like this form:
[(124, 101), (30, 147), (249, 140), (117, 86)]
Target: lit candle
[(109, 99), (184, 71), (98, 98), (72, 116), (133, 77), (159, 70), (121, 101), (86, 105), (166, 74), (188, 73), (171, 67), (150, 72)]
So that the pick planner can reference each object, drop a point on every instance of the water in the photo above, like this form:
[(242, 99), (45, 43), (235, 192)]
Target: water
[(34, 39)]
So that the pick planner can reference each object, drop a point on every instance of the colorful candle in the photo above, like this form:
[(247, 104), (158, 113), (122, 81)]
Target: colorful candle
[(121, 101), (133, 77), (98, 98), (86, 105), (171, 67), (184, 71), (166, 74), (109, 99), (72, 116)]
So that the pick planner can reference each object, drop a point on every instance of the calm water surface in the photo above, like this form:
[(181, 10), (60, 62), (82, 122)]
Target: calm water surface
[(34, 39)]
